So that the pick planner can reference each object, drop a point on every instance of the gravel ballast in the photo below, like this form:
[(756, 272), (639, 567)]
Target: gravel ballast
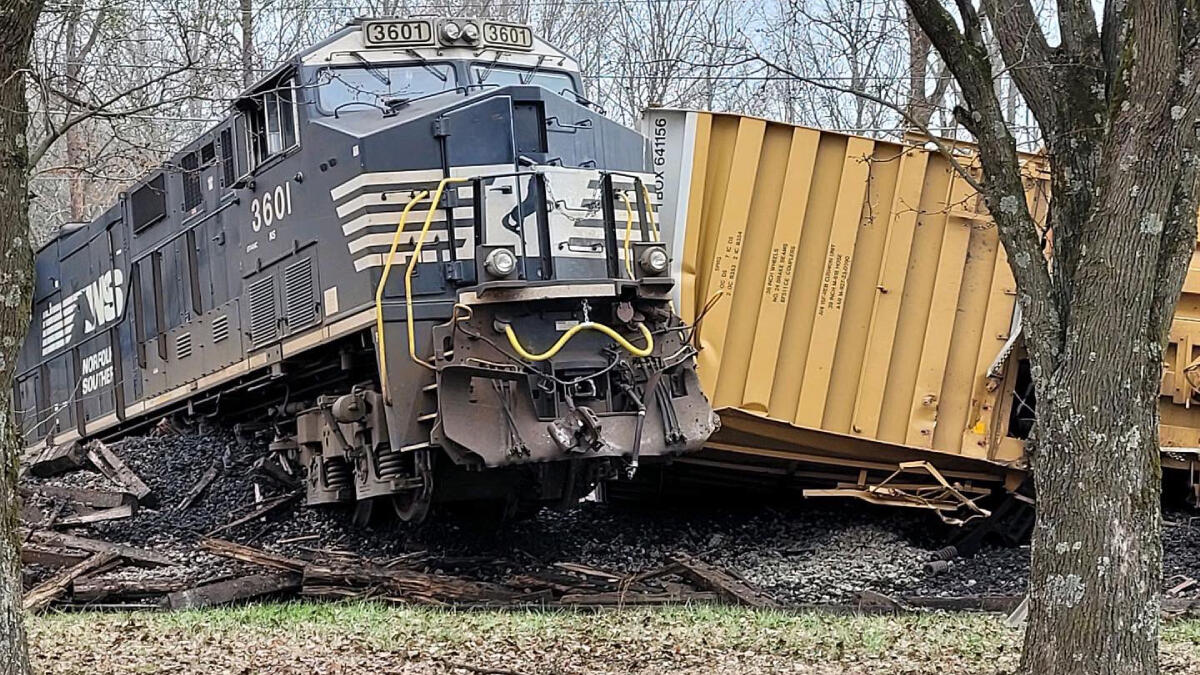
[(810, 552)]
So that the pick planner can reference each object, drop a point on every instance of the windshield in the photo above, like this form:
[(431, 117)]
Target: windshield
[(374, 85), (502, 76)]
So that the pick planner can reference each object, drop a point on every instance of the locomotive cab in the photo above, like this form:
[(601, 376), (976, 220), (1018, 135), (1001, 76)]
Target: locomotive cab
[(425, 265)]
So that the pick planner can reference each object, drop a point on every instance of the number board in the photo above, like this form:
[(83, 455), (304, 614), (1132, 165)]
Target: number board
[(397, 33), (507, 35)]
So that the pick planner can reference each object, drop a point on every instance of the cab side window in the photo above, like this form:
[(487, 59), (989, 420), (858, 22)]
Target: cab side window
[(270, 123)]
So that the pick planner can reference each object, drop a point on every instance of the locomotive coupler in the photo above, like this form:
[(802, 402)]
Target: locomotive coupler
[(578, 431)]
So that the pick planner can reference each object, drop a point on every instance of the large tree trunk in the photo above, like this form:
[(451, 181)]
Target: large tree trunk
[(1118, 110), (1096, 572), (17, 20)]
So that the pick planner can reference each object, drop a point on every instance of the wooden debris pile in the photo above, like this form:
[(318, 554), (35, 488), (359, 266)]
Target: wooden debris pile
[(335, 576), (87, 571), (76, 506)]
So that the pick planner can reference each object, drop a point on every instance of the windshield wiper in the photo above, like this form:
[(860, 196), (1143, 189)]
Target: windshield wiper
[(487, 72), (425, 64), (373, 69), (526, 79)]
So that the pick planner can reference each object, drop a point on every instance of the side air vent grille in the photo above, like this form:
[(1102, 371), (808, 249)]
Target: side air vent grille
[(220, 328), (183, 345), (264, 323), (299, 307)]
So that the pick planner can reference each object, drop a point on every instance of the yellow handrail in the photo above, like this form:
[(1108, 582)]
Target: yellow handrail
[(577, 328), (387, 270), (628, 233), (412, 264), (650, 214)]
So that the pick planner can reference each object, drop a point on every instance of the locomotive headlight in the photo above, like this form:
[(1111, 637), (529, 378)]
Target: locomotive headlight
[(500, 262), (470, 32), (654, 260), (451, 31)]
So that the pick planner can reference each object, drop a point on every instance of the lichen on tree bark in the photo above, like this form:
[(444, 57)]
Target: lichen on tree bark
[(17, 21), (1118, 110)]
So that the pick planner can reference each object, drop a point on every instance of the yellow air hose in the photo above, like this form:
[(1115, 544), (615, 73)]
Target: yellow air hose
[(575, 330)]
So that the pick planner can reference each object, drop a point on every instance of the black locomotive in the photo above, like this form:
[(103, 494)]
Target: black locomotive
[(414, 254)]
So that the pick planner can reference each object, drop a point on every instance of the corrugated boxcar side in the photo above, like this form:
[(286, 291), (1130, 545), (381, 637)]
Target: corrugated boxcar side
[(863, 290)]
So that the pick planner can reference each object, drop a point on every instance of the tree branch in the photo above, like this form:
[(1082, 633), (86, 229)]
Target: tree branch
[(102, 109), (1003, 188), (1029, 57), (941, 147), (1178, 240), (1077, 28)]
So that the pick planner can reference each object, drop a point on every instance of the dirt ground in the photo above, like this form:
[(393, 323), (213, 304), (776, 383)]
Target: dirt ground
[(371, 638)]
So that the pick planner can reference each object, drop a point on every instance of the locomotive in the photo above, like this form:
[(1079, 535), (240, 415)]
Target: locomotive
[(415, 256)]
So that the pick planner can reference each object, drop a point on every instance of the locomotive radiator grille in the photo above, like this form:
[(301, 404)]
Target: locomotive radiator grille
[(183, 345), (220, 328), (264, 323), (299, 308)]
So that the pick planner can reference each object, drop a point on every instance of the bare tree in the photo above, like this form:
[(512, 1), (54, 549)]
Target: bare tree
[(921, 102), (17, 21), (1118, 109), (246, 12)]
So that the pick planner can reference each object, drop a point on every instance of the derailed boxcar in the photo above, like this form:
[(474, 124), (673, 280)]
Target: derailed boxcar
[(858, 312)]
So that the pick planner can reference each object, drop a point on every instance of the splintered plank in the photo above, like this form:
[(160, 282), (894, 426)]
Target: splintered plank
[(201, 485), (108, 463), (665, 570), (406, 585), (559, 583), (729, 588), (95, 590), (336, 592), (115, 513), (263, 509), (248, 554), (618, 598), (233, 590), (48, 591), (588, 571), (100, 499), (130, 553), (32, 554), (58, 459)]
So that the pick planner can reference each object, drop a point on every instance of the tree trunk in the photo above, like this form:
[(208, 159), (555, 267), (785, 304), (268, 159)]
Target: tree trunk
[(17, 20), (247, 21), (76, 157), (1096, 573), (1119, 111)]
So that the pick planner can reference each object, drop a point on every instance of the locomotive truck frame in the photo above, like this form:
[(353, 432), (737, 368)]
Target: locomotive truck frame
[(415, 255)]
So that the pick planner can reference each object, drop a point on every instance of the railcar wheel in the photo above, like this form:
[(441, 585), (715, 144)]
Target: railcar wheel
[(412, 506)]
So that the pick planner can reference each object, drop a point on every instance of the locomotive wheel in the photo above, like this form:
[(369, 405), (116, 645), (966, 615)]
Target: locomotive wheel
[(412, 506)]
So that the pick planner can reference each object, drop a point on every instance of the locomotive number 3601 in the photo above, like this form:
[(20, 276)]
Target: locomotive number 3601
[(273, 205)]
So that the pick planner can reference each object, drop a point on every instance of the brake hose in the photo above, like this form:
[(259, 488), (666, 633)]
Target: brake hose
[(575, 330)]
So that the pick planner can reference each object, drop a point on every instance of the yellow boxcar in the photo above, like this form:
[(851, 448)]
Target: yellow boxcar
[(856, 307)]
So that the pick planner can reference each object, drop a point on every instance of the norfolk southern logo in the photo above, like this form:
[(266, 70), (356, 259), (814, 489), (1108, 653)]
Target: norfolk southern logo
[(81, 313)]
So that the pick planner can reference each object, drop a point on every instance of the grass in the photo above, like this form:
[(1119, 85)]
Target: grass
[(362, 637)]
